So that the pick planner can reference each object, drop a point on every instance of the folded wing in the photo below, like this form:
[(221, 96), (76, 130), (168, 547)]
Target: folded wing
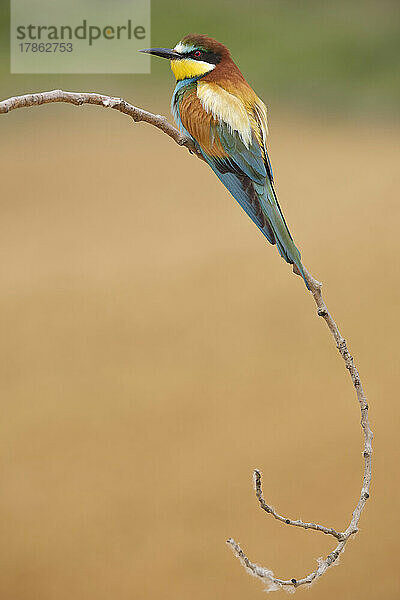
[(231, 135)]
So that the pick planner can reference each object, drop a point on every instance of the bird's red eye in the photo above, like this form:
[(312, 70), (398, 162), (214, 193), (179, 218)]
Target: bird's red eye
[(197, 54)]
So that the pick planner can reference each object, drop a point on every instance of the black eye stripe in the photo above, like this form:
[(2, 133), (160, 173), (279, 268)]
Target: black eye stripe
[(205, 56)]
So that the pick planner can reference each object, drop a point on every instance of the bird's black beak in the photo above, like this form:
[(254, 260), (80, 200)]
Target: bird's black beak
[(163, 52)]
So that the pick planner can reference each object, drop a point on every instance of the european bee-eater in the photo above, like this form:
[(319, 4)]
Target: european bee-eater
[(214, 105)]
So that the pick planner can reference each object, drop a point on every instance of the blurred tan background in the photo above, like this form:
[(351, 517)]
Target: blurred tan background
[(154, 349)]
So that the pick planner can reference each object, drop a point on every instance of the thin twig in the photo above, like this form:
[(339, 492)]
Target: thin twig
[(273, 583), (296, 523)]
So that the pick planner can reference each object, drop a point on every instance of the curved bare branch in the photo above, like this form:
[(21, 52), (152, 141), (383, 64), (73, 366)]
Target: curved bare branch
[(274, 583), (79, 98), (266, 575)]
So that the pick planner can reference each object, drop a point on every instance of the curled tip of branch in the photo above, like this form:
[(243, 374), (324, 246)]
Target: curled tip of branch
[(256, 476)]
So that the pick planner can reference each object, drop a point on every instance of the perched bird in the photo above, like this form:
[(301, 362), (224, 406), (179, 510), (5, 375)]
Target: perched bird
[(214, 105)]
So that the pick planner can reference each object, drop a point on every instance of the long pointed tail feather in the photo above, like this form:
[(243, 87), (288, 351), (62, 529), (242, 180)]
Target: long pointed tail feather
[(284, 241)]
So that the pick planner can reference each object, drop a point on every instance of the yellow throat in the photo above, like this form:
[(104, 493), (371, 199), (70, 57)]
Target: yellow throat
[(185, 68)]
